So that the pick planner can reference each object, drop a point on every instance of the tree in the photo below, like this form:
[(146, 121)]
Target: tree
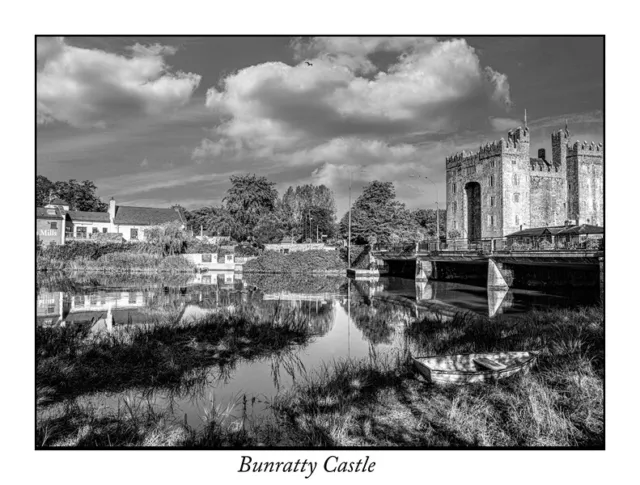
[(319, 221), (43, 190), (215, 221), (427, 219), (377, 213), (270, 229), (80, 196), (296, 204), (248, 200)]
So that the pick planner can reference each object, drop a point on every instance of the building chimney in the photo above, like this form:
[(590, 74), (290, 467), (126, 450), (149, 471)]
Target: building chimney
[(542, 154), (112, 210)]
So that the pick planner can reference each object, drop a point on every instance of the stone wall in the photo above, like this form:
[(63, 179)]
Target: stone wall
[(585, 182), (548, 199)]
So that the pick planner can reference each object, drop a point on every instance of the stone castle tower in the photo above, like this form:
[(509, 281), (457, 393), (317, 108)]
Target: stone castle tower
[(501, 189)]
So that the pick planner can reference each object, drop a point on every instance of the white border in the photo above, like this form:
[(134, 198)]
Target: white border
[(24, 19)]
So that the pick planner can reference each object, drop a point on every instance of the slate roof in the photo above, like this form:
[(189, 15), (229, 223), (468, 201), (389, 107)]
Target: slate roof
[(42, 213), (146, 215), (538, 231), (59, 202), (82, 216), (558, 231), (582, 229)]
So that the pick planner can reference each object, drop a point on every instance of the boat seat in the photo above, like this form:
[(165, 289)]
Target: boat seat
[(489, 364)]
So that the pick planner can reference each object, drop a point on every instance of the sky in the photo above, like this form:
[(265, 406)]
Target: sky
[(157, 121)]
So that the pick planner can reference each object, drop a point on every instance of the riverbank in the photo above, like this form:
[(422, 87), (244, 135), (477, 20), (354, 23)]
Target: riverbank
[(374, 401), (384, 402)]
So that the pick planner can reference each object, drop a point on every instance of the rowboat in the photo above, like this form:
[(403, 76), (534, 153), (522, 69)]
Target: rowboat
[(469, 368)]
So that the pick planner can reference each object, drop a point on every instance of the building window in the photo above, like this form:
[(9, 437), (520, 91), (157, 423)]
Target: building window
[(491, 220), (78, 301), (516, 197), (471, 170), (206, 279), (93, 299), (455, 206), (134, 234), (51, 309), (94, 230), (81, 232), (492, 201), (492, 163), (517, 219), (206, 258), (104, 230), (455, 188), (459, 170), (54, 225), (132, 298), (513, 161), (491, 181), (516, 179)]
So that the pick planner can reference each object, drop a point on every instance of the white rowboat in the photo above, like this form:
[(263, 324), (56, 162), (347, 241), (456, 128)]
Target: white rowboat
[(468, 368)]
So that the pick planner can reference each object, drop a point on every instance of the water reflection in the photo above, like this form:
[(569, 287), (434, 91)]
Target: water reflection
[(349, 318)]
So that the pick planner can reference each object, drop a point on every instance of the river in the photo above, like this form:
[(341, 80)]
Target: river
[(349, 319)]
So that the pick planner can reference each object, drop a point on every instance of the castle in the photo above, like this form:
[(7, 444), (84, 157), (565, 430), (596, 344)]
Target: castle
[(501, 189)]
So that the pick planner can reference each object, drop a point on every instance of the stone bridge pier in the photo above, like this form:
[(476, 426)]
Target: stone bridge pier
[(500, 275), (426, 270)]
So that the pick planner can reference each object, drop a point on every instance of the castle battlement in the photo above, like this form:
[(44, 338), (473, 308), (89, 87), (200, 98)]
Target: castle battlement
[(516, 140), (585, 148), (461, 157)]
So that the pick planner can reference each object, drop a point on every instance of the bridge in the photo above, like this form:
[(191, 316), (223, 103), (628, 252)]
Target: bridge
[(503, 262)]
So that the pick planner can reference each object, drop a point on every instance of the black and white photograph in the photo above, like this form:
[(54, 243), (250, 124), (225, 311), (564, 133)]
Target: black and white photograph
[(320, 242), (328, 251)]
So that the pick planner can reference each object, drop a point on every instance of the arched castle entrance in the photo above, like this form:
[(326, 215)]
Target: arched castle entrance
[(474, 211)]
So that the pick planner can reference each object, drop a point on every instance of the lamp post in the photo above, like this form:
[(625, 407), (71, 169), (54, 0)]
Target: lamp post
[(437, 206), (349, 239)]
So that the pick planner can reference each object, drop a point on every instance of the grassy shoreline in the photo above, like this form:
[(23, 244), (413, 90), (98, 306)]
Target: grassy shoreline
[(370, 402)]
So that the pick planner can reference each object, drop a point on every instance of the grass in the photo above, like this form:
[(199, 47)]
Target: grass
[(370, 402), (383, 402), (167, 355), (122, 262)]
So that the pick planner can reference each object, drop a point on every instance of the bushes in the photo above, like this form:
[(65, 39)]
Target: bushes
[(298, 262), (89, 250)]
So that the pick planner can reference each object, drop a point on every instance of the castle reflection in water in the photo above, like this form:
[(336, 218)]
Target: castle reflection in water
[(103, 302)]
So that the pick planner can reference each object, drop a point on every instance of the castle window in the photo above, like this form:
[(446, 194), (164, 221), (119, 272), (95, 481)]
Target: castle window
[(455, 206), (455, 188), (492, 163), (459, 170), (491, 220), (517, 219), (492, 201), (516, 197), (516, 179), (491, 181)]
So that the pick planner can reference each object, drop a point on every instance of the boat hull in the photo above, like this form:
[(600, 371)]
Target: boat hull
[(461, 369)]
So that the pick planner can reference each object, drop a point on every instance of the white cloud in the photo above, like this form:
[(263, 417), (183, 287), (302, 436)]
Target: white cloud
[(274, 107), (91, 87)]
